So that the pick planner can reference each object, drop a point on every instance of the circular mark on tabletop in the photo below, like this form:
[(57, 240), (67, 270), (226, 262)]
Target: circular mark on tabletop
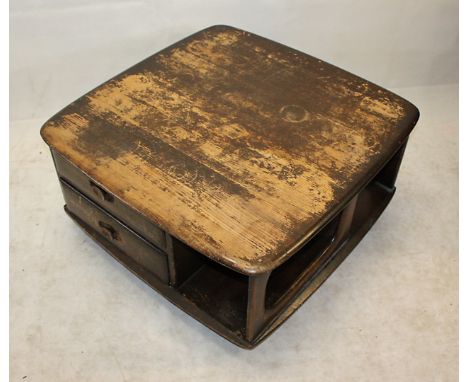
[(294, 113)]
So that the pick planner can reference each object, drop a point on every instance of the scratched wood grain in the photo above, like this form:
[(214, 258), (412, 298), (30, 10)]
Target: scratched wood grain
[(236, 145)]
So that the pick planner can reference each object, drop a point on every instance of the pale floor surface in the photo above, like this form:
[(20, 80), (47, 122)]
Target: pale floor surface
[(389, 313)]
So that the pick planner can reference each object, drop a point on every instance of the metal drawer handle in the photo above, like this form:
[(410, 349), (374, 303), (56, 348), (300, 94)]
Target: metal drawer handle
[(100, 193), (108, 231)]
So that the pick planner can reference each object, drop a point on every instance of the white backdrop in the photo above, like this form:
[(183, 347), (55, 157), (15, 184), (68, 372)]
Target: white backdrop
[(390, 311), (63, 48)]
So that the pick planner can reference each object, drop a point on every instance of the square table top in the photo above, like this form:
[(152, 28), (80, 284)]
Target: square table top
[(238, 146)]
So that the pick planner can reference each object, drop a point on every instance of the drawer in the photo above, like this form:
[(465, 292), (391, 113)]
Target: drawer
[(133, 219), (133, 245)]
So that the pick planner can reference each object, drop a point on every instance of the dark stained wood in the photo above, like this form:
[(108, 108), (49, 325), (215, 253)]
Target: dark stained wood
[(98, 194), (256, 304), (238, 146), (231, 173), (142, 251)]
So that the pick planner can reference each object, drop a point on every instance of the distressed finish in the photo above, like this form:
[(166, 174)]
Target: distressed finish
[(238, 146), (231, 173)]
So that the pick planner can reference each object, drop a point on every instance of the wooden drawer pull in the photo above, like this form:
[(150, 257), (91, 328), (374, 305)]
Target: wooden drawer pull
[(108, 231), (100, 193)]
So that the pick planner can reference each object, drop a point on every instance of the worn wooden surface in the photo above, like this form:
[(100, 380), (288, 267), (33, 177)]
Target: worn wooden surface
[(237, 145)]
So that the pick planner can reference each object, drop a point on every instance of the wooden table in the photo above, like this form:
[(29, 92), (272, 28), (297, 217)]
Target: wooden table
[(231, 173)]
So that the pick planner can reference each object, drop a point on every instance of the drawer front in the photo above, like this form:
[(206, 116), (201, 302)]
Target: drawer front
[(137, 222), (134, 246)]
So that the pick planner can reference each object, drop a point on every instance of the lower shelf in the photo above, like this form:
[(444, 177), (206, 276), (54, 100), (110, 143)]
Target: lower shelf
[(217, 296), (221, 293)]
